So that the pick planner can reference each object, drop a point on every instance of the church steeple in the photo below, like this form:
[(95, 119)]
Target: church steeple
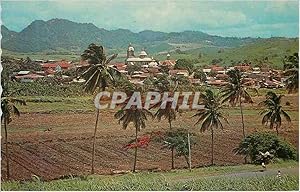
[(130, 51)]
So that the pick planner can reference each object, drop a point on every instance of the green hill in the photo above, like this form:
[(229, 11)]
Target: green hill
[(271, 51), (62, 34)]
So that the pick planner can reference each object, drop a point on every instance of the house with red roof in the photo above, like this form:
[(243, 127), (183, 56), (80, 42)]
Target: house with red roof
[(243, 67), (169, 63), (54, 66)]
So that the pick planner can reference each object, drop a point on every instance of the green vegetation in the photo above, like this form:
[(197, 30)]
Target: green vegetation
[(53, 89), (43, 55), (266, 51), (176, 180), (62, 35), (177, 140), (255, 143), (273, 112), (48, 104), (291, 67), (187, 64)]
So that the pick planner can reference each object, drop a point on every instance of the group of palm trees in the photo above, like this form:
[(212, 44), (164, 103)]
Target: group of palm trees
[(99, 76)]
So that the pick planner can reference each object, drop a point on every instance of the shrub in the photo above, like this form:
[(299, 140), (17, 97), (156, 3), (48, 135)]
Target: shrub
[(263, 142)]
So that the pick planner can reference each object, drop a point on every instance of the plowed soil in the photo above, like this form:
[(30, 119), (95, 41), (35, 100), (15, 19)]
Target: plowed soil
[(56, 145)]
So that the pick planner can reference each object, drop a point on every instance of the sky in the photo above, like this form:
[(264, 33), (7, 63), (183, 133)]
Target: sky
[(224, 18)]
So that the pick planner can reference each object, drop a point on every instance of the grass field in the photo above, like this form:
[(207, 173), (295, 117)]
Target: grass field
[(209, 178)]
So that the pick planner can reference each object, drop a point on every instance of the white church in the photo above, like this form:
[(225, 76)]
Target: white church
[(143, 59)]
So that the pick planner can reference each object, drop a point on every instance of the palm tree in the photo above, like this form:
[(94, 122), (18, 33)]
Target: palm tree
[(136, 116), (9, 108), (98, 75), (168, 113), (273, 112), (163, 84), (291, 67), (235, 91), (211, 116)]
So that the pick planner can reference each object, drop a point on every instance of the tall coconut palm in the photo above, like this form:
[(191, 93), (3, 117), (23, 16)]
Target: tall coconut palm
[(168, 113), (236, 92), (165, 84), (211, 116), (291, 71), (136, 116), (273, 112), (9, 108), (98, 76)]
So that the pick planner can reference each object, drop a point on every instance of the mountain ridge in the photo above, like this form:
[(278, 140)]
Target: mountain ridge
[(62, 34)]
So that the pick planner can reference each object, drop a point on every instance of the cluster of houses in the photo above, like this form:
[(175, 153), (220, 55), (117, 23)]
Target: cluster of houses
[(49, 69), (253, 76), (215, 75), (149, 67)]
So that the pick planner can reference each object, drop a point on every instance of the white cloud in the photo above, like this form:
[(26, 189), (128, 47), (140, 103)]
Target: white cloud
[(281, 6)]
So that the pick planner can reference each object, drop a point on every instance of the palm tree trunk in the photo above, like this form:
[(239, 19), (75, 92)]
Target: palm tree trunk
[(94, 142), (187, 160), (242, 114), (6, 149), (277, 130), (190, 154), (136, 147), (243, 124), (212, 146), (172, 151)]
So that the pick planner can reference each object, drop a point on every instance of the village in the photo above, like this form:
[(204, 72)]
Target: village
[(150, 95), (138, 67)]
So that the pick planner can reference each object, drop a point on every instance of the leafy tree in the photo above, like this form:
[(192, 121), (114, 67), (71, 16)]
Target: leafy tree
[(30, 65), (273, 112), (163, 83), (199, 74), (255, 143), (291, 71), (149, 83), (164, 69), (200, 55), (212, 74), (185, 64), (133, 68), (9, 108), (235, 91), (98, 76), (210, 117), (178, 140), (10, 65), (136, 116)]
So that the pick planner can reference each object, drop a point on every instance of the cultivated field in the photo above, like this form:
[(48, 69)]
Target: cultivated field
[(55, 143)]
